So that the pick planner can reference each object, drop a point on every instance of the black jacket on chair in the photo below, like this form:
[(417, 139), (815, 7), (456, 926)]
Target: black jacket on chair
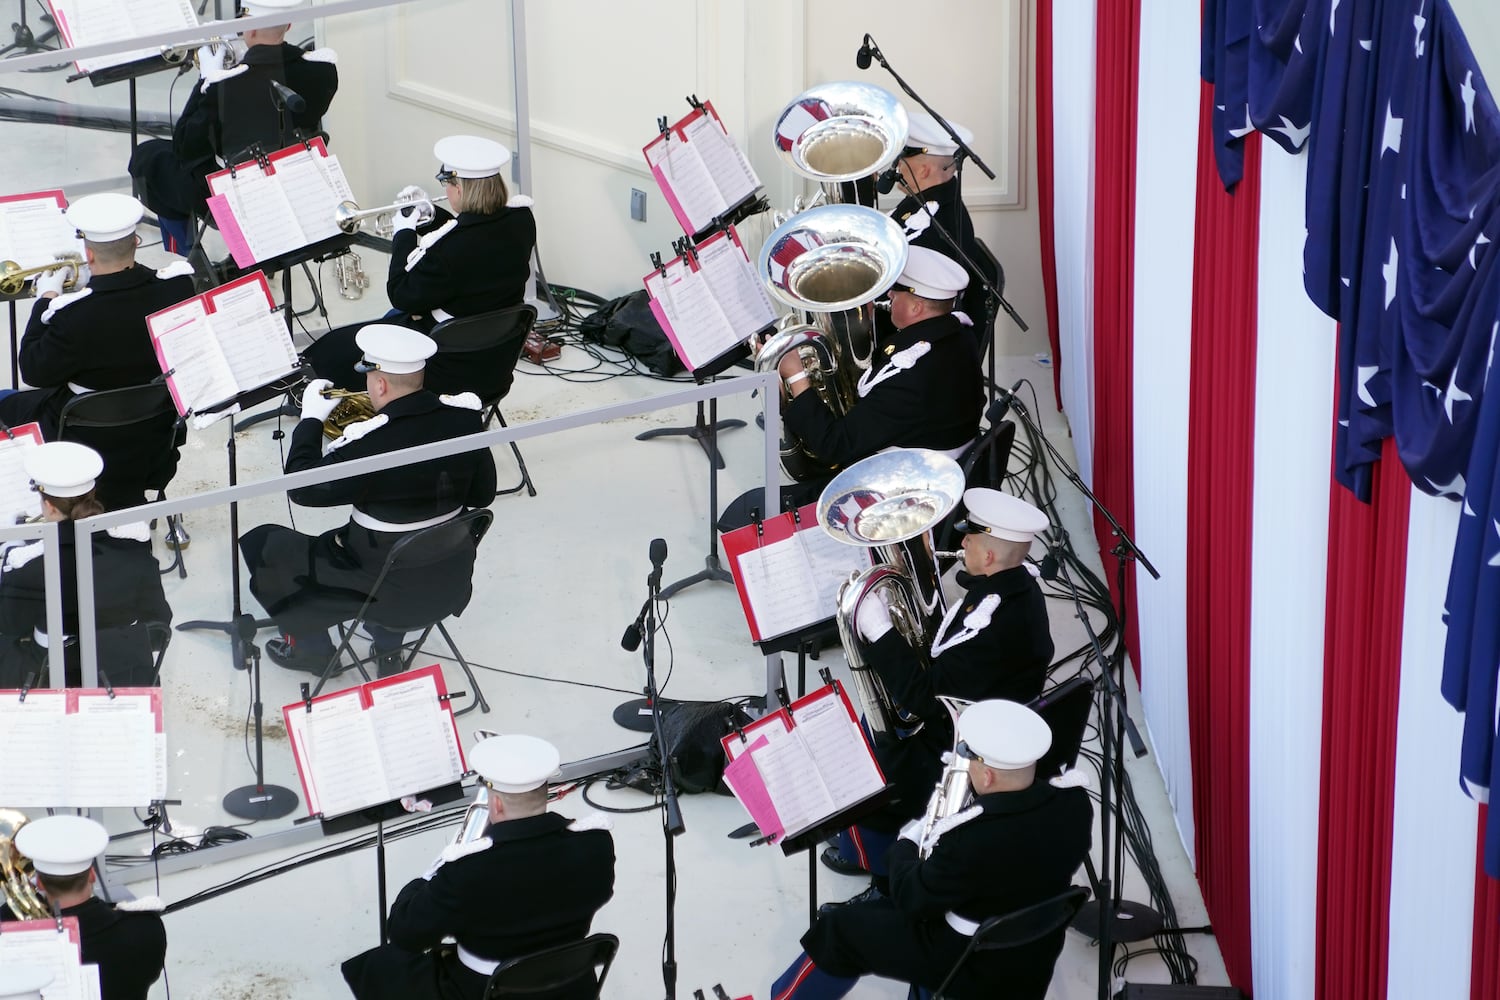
[(538, 884), (96, 340)]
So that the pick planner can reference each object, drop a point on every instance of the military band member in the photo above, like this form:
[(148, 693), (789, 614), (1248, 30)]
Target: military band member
[(172, 175), (476, 262), (533, 881), (928, 175), (995, 642), (1018, 843), (924, 388), (308, 583), (95, 337), (127, 584), (127, 941)]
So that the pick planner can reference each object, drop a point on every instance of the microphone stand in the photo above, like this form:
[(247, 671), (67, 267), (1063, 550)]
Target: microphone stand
[(1107, 918), (260, 800), (965, 152), (672, 824)]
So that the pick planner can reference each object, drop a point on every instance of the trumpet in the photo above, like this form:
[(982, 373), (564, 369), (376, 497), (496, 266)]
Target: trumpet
[(13, 276), (178, 54), (21, 518), (349, 217)]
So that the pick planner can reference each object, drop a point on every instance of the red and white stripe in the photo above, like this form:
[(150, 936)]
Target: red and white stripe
[(1289, 656)]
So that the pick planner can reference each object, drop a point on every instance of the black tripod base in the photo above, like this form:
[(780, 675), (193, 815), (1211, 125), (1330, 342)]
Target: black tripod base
[(635, 714), (712, 571), (260, 802), (700, 432), (1129, 921)]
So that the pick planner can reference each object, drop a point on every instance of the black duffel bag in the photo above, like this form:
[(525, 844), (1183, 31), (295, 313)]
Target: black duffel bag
[(627, 324)]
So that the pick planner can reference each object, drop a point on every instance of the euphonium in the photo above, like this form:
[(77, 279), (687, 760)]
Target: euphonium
[(951, 794), (889, 503), (13, 276), (15, 871), (353, 407), (831, 263)]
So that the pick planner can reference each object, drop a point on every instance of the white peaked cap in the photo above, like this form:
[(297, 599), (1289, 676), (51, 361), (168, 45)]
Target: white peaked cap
[(471, 156), (1004, 515), (930, 137), (105, 217), (396, 350), (932, 275), (62, 845), (1005, 734), (23, 982), (63, 468), (515, 763), (262, 8)]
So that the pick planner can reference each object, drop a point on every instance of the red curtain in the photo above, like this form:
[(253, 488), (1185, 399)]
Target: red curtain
[(1484, 972), (1361, 684), (1044, 181), (1117, 56), (1221, 466)]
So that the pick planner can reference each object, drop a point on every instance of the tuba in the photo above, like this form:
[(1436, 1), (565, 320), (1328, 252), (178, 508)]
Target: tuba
[(890, 503), (832, 262), (16, 887)]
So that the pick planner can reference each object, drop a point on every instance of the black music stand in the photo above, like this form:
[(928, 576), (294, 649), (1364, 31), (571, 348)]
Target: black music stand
[(15, 343), (24, 39), (706, 433)]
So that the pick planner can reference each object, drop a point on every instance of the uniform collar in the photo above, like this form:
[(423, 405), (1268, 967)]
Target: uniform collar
[(931, 330), (132, 277), (941, 193), (528, 828), (421, 401), (265, 55), (1025, 800), (1006, 582)]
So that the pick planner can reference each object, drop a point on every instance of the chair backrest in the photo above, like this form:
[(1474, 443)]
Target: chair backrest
[(1019, 928), (135, 430), (478, 353), (985, 464), (426, 547), (565, 972)]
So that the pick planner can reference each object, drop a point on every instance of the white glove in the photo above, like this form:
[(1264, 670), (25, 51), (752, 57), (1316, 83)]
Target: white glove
[(404, 219), (873, 617), (51, 283), (82, 280), (212, 59), (912, 831), (314, 406), (411, 193)]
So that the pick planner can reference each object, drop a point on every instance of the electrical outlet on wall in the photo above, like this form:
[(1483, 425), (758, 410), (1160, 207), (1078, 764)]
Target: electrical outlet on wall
[(638, 204)]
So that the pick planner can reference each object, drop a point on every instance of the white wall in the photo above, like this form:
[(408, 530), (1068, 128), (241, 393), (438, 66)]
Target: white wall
[(599, 74)]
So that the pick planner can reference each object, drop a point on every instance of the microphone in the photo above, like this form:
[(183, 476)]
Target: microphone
[(658, 553), (885, 181), (1002, 405), (862, 57), (285, 97), (631, 640)]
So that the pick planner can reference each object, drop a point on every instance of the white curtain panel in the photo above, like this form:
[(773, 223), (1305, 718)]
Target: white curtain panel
[(1435, 825), (1073, 214), (1165, 194), (1289, 561)]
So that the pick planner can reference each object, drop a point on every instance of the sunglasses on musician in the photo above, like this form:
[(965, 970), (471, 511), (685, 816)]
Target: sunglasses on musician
[(445, 176)]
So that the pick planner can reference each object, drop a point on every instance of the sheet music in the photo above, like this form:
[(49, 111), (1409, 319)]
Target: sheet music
[(262, 210), (745, 782), (187, 346), (838, 749), (344, 755), (417, 748), (723, 160), (112, 742), (698, 324), (793, 781), (50, 950), (16, 495), (296, 730), (33, 749), (33, 231), (310, 192), (741, 296), (688, 178), (253, 338), (93, 21), (333, 170)]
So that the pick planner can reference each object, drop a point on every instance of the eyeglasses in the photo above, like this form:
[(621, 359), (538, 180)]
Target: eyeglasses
[(445, 176), (963, 751), (966, 527), (364, 366)]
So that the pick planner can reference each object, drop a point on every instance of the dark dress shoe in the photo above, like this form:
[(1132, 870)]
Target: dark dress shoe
[(833, 859), (870, 895), (285, 653), (387, 664)]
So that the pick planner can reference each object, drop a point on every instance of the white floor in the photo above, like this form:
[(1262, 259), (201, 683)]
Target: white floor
[(560, 576)]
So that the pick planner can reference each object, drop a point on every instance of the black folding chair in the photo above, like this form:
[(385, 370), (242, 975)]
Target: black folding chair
[(417, 549), (114, 422), (478, 354), (564, 972), (1013, 930), (985, 464)]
